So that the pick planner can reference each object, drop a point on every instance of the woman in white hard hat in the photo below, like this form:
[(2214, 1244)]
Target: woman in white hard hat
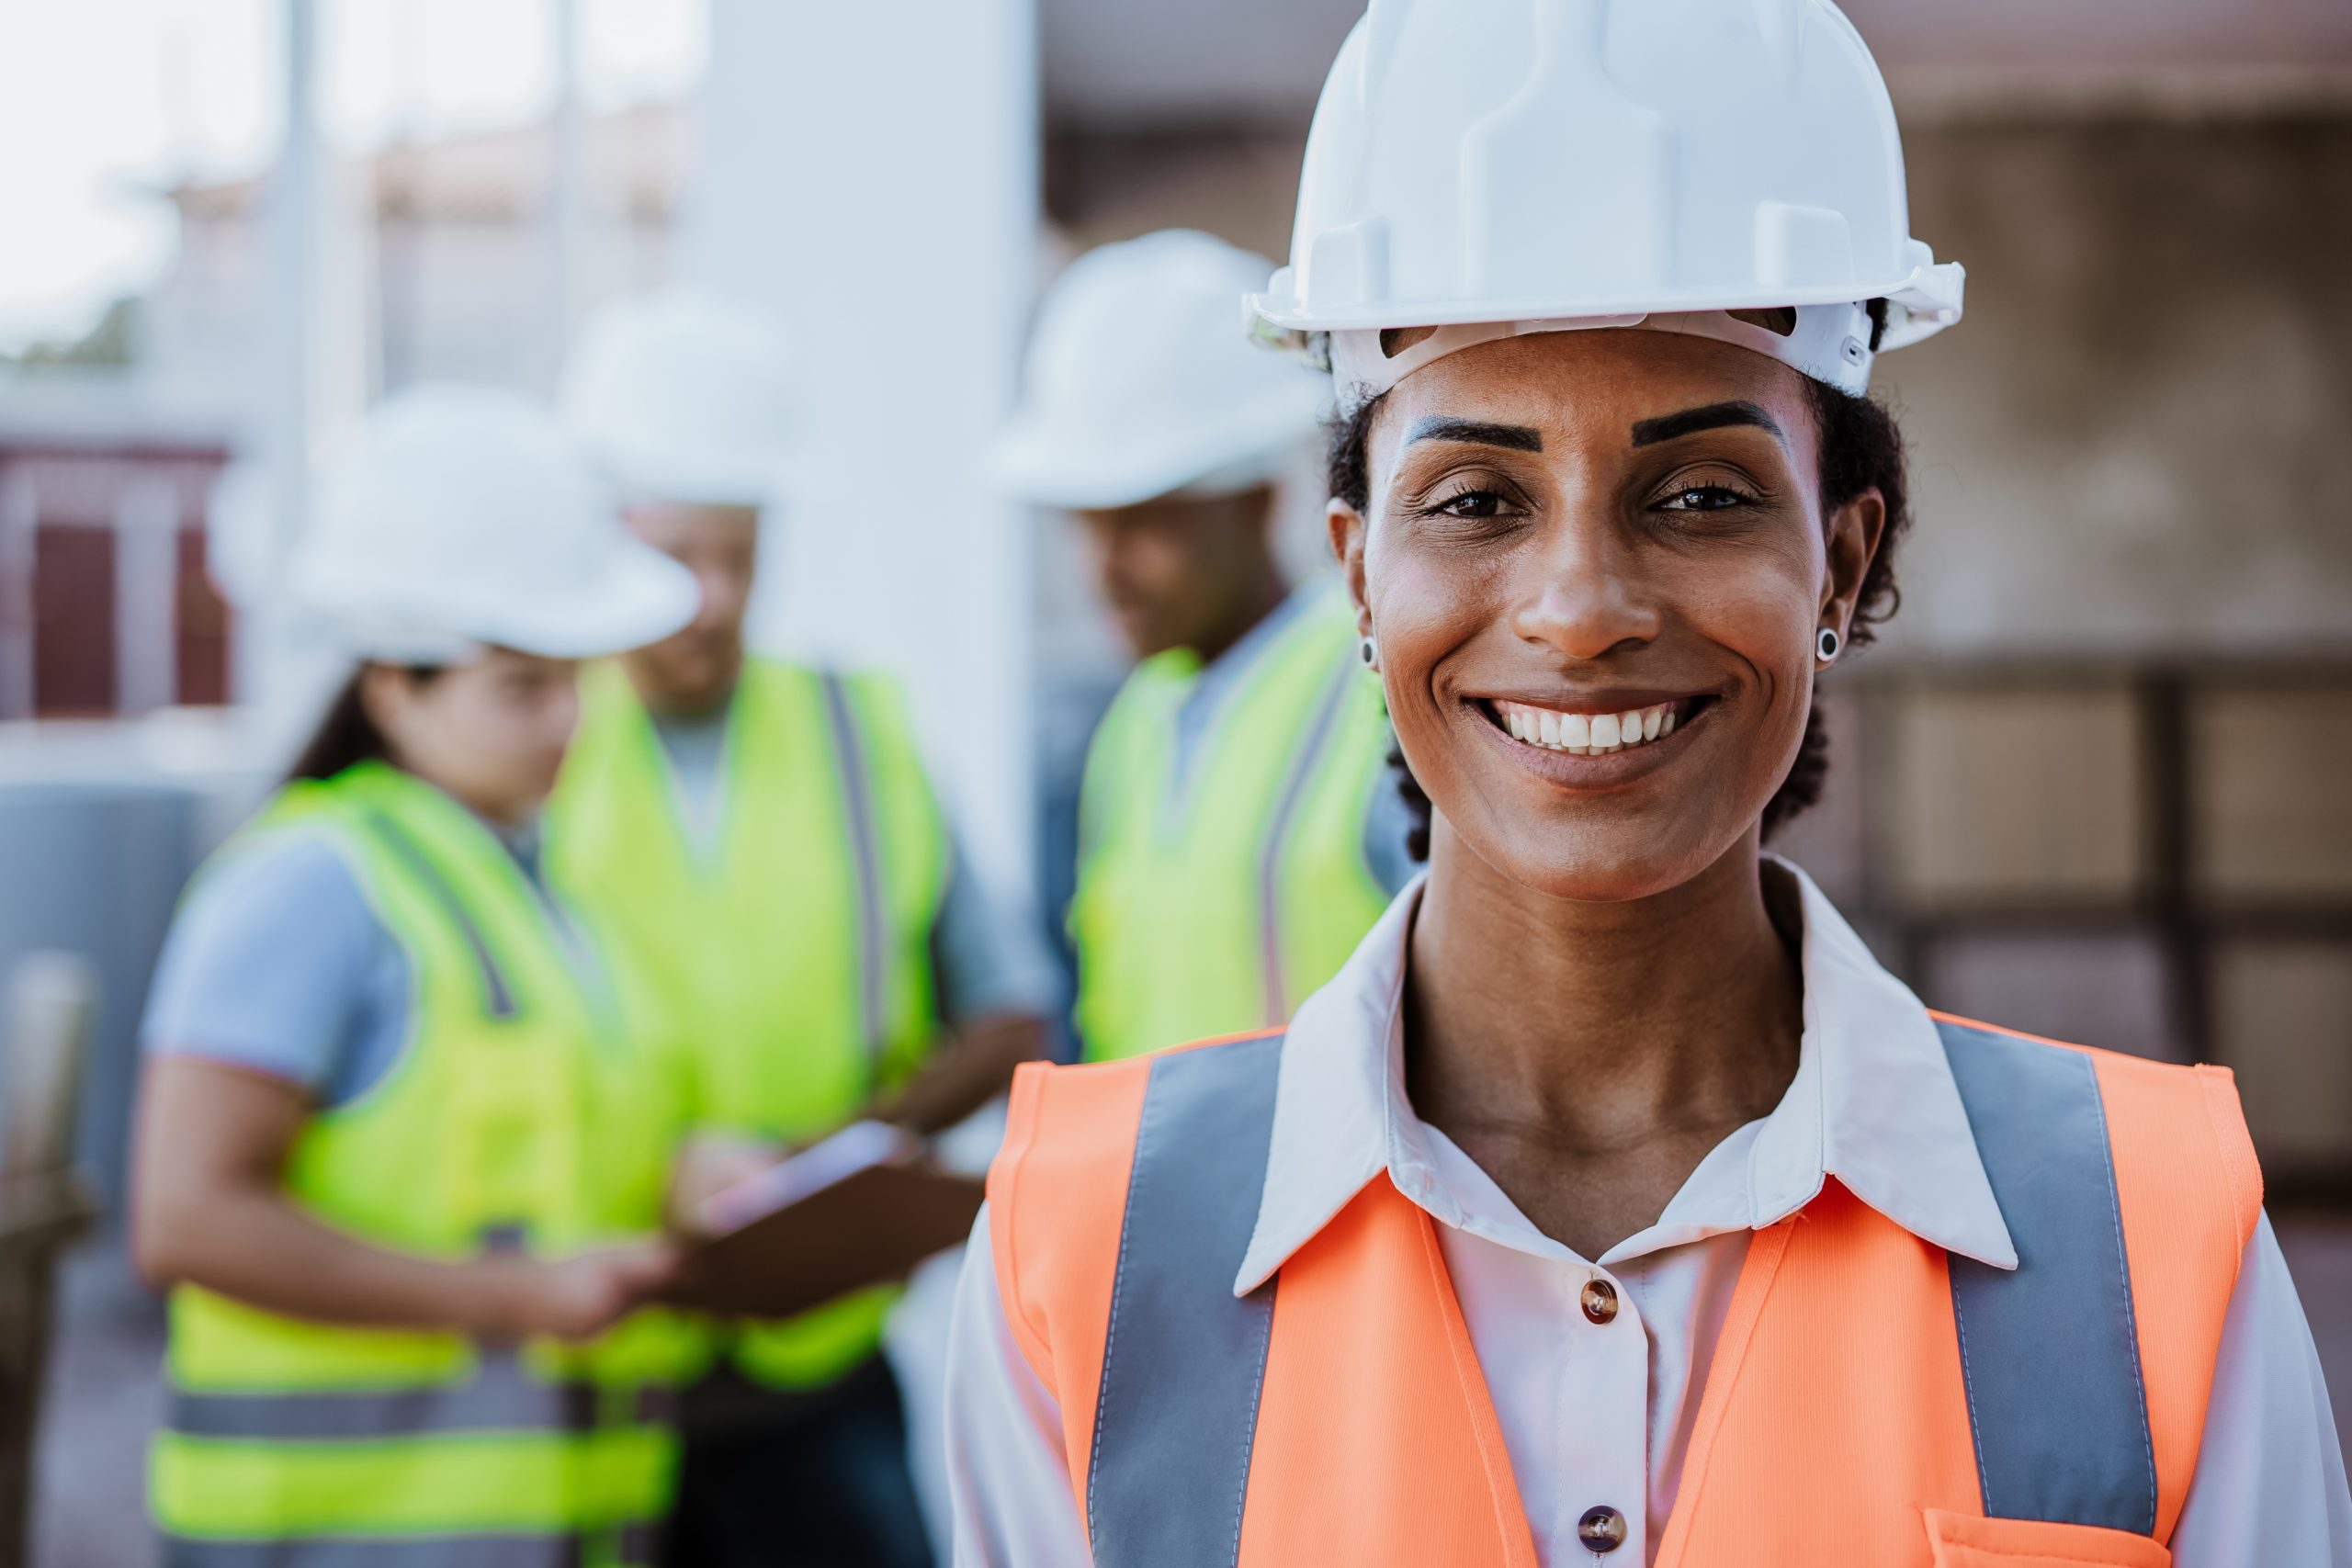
[(1611, 1202), (403, 1144), (1238, 833)]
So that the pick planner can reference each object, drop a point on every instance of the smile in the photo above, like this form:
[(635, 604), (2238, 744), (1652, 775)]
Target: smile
[(1587, 734)]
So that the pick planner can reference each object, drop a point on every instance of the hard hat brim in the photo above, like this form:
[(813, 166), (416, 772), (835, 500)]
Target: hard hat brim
[(1929, 299), (1080, 467), (638, 597), (641, 597)]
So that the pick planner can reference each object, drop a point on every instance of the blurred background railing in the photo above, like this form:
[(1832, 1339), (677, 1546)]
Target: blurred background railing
[(2097, 781)]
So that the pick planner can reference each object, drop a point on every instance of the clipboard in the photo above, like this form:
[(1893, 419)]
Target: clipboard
[(861, 1208)]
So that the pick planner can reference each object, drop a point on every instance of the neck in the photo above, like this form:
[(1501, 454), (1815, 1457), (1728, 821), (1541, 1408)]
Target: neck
[(664, 701), (1258, 596), (504, 818), (1609, 1025)]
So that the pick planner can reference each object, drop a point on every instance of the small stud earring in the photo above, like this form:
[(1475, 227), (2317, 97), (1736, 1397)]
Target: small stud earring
[(1369, 651), (1827, 644)]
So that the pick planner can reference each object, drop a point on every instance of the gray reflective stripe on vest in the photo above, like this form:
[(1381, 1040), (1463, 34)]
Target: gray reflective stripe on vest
[(1184, 1359), (857, 801), (498, 997), (1270, 855), (2050, 1353), (634, 1547), (406, 1551), (500, 1396)]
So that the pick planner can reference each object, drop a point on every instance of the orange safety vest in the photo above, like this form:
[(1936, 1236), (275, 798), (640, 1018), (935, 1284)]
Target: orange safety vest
[(1873, 1401)]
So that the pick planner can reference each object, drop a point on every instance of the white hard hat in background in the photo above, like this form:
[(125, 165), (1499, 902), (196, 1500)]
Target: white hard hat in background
[(682, 396), (463, 516), (1139, 386), (1550, 163)]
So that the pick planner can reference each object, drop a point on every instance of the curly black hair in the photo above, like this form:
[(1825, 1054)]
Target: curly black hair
[(1861, 449)]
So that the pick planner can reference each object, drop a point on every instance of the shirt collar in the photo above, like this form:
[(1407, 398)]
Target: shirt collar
[(1873, 1103)]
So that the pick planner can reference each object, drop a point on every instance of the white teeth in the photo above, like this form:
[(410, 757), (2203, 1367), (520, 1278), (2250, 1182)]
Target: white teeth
[(1584, 735)]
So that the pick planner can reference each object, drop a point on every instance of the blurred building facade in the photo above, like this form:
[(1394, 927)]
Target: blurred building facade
[(451, 254)]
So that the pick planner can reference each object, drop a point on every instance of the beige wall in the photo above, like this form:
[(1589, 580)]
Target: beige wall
[(2137, 440)]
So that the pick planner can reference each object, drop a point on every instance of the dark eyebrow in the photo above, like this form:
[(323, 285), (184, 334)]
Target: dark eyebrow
[(1712, 416), (1437, 427)]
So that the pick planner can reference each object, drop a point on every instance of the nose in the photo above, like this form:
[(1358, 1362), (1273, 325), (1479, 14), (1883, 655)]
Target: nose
[(1583, 594)]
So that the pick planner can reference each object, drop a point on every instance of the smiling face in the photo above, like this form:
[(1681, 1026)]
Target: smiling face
[(1594, 564)]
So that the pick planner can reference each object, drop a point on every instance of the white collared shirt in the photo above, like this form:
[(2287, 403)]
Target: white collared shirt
[(1600, 1414)]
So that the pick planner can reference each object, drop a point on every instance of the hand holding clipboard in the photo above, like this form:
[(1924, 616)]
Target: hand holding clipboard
[(861, 1208)]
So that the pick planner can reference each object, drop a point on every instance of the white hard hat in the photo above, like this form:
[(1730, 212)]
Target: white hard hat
[(1546, 165), (1137, 384), (682, 396), (463, 516)]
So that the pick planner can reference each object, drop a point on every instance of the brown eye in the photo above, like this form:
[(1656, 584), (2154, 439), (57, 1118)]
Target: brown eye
[(1472, 504), (1702, 498)]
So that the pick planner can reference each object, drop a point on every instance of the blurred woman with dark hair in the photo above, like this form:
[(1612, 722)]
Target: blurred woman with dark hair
[(1613, 1198), (403, 1146)]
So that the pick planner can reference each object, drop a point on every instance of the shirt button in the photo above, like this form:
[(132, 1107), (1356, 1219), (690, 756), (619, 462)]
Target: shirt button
[(1601, 1530), (1598, 1301)]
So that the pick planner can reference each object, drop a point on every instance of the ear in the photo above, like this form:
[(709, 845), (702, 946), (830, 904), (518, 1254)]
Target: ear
[(1853, 533), (1346, 526)]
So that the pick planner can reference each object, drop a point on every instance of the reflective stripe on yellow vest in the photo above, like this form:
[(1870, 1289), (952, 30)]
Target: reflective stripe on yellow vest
[(794, 948), (524, 1110), (1216, 898), (1872, 1401)]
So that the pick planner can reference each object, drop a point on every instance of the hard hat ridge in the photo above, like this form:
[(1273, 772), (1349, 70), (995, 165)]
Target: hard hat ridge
[(1136, 385), (1605, 162), (682, 395)]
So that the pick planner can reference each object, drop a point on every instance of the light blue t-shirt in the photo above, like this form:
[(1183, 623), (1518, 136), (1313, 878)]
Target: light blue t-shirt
[(277, 962)]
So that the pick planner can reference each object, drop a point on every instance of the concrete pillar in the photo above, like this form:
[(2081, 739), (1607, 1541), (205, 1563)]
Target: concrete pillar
[(870, 172)]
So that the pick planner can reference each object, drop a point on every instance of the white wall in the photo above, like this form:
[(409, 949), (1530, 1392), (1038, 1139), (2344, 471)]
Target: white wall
[(870, 171)]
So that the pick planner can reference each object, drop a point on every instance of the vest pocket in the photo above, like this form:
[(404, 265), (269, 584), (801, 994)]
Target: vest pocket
[(1965, 1540)]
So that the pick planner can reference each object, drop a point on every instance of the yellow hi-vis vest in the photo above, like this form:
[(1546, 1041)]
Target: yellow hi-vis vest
[(795, 951), (1215, 892), (524, 1111)]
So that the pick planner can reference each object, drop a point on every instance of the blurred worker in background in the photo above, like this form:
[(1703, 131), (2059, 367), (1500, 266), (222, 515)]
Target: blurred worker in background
[(403, 1141), (768, 832), (1237, 831)]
